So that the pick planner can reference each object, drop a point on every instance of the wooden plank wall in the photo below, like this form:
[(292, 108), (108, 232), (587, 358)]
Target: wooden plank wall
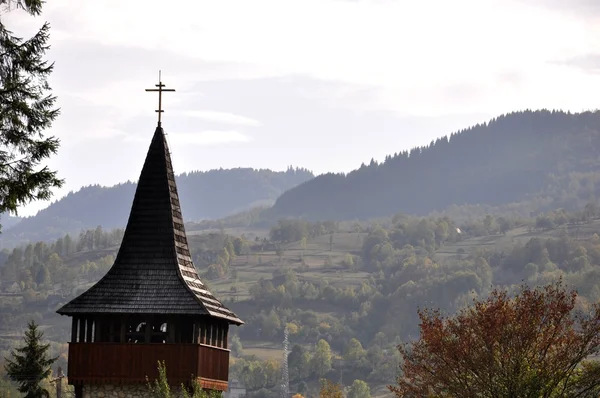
[(213, 363), (131, 363)]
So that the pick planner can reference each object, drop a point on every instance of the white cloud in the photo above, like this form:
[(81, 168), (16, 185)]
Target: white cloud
[(136, 139), (588, 9), (408, 50), (349, 59), (207, 137), (220, 117), (186, 139)]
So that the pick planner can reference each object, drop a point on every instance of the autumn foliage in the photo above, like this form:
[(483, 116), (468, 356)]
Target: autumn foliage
[(330, 389), (531, 345)]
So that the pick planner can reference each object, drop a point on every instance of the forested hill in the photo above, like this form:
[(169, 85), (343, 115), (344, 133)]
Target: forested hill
[(7, 220), (532, 154), (204, 195)]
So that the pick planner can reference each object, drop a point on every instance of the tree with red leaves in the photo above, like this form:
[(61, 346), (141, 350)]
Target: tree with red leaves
[(534, 344)]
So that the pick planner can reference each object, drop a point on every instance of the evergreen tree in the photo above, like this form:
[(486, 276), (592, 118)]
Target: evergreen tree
[(26, 110), (322, 358), (236, 346), (30, 364), (359, 389)]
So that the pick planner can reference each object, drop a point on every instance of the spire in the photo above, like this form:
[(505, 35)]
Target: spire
[(153, 271), (160, 90)]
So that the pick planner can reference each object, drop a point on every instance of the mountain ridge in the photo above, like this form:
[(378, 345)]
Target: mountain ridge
[(510, 158), (204, 195), (548, 158)]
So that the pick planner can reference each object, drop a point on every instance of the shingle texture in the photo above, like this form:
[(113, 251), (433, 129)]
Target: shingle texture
[(153, 271)]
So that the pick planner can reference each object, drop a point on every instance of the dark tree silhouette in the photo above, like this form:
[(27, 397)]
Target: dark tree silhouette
[(26, 110), (30, 364)]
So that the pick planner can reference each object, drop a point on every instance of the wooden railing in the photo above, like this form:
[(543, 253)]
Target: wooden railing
[(92, 363), (213, 363)]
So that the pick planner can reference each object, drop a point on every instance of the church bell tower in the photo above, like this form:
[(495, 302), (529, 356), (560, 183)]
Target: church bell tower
[(151, 305)]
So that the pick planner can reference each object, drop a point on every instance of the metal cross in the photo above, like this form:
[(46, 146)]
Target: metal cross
[(160, 90)]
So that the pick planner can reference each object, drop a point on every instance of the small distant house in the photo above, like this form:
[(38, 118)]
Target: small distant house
[(338, 363), (236, 389), (13, 288)]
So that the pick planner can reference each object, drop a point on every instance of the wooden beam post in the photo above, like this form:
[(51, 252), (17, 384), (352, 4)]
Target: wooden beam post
[(74, 324), (81, 330), (148, 334), (89, 330), (123, 330)]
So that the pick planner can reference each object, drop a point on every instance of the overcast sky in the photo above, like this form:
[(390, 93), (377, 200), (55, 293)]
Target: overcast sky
[(322, 84)]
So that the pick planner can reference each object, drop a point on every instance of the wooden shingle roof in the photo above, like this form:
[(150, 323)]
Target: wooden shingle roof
[(153, 271)]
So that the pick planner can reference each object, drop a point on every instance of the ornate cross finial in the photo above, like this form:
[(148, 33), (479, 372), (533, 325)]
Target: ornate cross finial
[(160, 90)]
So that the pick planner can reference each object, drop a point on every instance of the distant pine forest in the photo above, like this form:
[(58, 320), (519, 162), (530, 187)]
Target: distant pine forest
[(546, 158)]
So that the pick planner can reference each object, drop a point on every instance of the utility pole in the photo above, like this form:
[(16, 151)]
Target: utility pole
[(285, 376), (58, 381)]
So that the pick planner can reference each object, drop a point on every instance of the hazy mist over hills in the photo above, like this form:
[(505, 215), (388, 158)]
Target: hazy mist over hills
[(514, 157), (204, 195), (546, 157)]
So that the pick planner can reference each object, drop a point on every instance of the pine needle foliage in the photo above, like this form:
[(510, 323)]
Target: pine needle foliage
[(27, 109), (29, 365)]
